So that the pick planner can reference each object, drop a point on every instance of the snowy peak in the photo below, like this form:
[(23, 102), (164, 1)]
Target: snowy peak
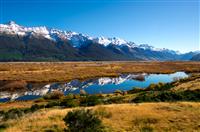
[(117, 41), (13, 28), (12, 23), (75, 39), (106, 41), (102, 40)]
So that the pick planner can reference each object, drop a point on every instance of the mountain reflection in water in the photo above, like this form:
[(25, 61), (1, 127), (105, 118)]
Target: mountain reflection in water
[(91, 86)]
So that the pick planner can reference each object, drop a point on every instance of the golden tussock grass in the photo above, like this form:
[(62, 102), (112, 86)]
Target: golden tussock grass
[(180, 116), (18, 104), (65, 71), (191, 85)]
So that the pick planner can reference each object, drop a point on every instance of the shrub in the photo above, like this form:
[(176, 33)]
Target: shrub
[(118, 92), (69, 96), (36, 107), (18, 112), (83, 121), (147, 129), (13, 113), (76, 96), (52, 104), (3, 127), (54, 95), (151, 87), (135, 90), (168, 96), (159, 87), (101, 112), (69, 102), (39, 100), (90, 100), (116, 100)]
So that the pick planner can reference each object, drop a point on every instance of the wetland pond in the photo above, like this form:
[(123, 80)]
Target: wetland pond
[(123, 82)]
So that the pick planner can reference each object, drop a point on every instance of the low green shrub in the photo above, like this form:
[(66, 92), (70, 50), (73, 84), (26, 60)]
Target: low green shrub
[(83, 121), (135, 90), (163, 96), (147, 129), (115, 100), (159, 87), (52, 104), (53, 95), (90, 100), (39, 100), (3, 127), (36, 107), (102, 112), (13, 113), (69, 102), (118, 92), (18, 112)]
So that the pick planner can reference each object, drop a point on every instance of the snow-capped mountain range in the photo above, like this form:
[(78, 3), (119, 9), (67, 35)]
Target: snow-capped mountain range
[(83, 47), (77, 39)]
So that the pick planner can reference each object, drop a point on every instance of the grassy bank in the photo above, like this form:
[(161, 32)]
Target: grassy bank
[(183, 116)]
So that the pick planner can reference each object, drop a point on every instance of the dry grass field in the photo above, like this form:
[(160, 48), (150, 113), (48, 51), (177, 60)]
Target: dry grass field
[(159, 117), (65, 71), (191, 85), (19, 104)]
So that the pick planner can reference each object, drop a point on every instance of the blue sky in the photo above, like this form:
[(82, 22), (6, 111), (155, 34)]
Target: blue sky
[(172, 24)]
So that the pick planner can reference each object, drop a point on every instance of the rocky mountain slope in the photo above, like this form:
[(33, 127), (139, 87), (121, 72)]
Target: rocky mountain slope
[(196, 57), (19, 43)]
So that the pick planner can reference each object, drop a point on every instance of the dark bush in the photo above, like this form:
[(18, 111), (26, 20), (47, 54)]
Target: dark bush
[(52, 104), (39, 100), (83, 121), (135, 90), (54, 95), (36, 107), (2, 112), (118, 92), (159, 87), (18, 112), (69, 102), (90, 100), (116, 100), (168, 96), (13, 113), (3, 127)]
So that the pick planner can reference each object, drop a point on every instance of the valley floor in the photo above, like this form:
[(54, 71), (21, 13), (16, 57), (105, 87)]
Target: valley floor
[(160, 107), (66, 71)]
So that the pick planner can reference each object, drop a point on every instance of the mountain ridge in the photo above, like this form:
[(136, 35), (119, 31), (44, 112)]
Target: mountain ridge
[(39, 43), (196, 57)]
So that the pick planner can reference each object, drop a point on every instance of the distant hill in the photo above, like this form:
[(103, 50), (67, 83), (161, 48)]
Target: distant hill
[(196, 57), (19, 43)]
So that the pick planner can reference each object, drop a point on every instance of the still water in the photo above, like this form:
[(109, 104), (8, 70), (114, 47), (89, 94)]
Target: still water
[(93, 86)]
